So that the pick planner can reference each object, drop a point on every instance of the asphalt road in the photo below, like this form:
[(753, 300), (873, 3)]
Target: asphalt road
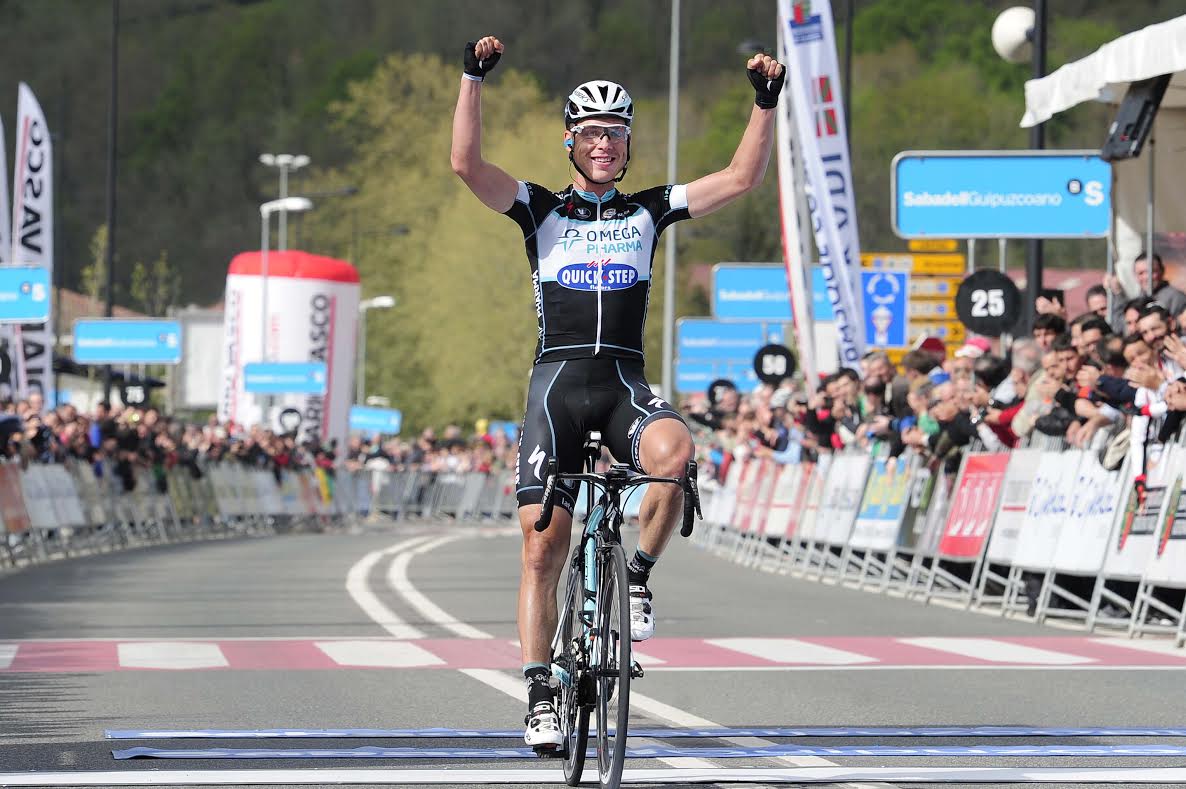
[(412, 627)]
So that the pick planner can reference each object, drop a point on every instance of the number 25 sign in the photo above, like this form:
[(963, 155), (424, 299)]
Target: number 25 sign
[(988, 303)]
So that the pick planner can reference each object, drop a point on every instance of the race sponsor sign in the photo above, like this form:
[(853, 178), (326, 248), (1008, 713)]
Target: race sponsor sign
[(12, 501), (973, 506), (1015, 495), (780, 516), (1168, 566), (842, 498), (1134, 542), (815, 493), (1049, 506), (1084, 538), (882, 506), (918, 502)]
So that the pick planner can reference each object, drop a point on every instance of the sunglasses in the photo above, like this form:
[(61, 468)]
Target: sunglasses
[(593, 132)]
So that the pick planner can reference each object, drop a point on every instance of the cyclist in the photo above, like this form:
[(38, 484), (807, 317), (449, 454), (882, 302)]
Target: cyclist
[(590, 248)]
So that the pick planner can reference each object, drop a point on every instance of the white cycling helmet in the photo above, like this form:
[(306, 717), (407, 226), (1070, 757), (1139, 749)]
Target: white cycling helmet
[(598, 97)]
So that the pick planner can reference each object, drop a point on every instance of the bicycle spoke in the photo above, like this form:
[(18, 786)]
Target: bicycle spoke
[(613, 665)]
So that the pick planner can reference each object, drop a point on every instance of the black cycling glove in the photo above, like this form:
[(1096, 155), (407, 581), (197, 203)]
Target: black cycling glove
[(478, 69), (767, 89)]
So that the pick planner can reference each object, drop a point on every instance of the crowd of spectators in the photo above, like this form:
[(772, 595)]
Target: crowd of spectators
[(1075, 381), (487, 450)]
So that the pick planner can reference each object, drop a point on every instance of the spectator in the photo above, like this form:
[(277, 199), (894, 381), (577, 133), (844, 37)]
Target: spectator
[(1162, 292), (1097, 301)]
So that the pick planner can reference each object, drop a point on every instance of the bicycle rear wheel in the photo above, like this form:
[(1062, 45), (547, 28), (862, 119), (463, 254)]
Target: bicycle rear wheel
[(612, 649), (573, 697)]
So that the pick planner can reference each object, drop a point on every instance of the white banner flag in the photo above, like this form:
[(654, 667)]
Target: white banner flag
[(794, 248), (33, 238), (808, 48), (6, 388)]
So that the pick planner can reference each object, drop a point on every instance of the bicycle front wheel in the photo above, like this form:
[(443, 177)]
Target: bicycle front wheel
[(613, 664)]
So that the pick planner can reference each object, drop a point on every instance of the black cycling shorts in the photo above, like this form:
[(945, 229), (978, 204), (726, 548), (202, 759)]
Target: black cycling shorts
[(569, 398)]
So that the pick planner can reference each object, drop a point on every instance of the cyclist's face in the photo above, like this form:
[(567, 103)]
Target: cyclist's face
[(599, 147)]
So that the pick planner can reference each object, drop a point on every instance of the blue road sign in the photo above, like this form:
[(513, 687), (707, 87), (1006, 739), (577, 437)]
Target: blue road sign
[(367, 419), (118, 341), (284, 377), (703, 339), (696, 376), (1001, 194), (755, 293), (885, 295), (821, 305), (24, 294)]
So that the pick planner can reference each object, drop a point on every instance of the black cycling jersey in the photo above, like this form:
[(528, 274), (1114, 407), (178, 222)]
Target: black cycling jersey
[(591, 265)]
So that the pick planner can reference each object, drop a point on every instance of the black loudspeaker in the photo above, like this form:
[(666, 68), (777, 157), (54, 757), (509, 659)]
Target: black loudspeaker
[(1134, 119)]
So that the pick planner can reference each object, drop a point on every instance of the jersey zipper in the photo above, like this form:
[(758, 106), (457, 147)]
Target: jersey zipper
[(597, 343)]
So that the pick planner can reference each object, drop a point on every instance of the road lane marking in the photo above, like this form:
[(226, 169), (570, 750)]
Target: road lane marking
[(998, 651), (792, 650), (359, 589), (378, 654), (397, 579), (541, 776), (176, 655), (7, 653)]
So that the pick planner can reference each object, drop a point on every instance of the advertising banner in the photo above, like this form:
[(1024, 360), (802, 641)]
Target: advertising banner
[(1168, 566), (1085, 536), (749, 292), (807, 45), (24, 294), (780, 518), (842, 498), (1134, 542), (973, 506), (1052, 499), (33, 238), (116, 341), (882, 506), (815, 494), (698, 376), (369, 419), (1001, 194), (701, 339), (1015, 496), (12, 501)]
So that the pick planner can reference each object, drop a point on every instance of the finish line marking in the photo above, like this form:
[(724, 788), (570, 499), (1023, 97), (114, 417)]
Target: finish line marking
[(514, 734), (829, 775), (659, 752)]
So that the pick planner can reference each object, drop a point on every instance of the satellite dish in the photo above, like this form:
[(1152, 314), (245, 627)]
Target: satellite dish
[(1011, 34)]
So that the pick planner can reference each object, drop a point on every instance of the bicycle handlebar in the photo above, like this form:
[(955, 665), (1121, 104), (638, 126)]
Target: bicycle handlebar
[(688, 484)]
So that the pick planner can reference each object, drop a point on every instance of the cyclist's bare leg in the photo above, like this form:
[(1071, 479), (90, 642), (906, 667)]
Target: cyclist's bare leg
[(543, 558), (664, 451)]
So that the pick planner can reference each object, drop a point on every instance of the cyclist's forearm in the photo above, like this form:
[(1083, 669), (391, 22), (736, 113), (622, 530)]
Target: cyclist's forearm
[(753, 152), (466, 154)]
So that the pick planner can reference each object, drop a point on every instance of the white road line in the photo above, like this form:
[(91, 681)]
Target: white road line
[(998, 651), (360, 591), (829, 775), (7, 653), (792, 650), (397, 579), (171, 655), (387, 654), (517, 689)]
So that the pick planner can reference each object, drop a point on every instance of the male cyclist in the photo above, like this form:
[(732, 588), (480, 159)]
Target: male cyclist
[(590, 249)]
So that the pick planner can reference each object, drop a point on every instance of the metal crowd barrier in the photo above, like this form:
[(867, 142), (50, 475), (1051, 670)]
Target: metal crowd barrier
[(56, 511), (1033, 532)]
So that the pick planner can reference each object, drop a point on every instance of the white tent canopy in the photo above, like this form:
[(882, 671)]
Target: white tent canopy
[(1105, 74)]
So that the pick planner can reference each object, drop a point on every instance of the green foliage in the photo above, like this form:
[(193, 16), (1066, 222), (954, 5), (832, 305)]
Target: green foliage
[(155, 287)]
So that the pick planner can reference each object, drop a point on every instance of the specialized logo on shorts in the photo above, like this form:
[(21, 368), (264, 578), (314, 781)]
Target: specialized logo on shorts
[(633, 426), (597, 275)]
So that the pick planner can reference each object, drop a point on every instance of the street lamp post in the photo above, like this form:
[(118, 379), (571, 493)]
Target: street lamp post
[(265, 211), (360, 375), (287, 162)]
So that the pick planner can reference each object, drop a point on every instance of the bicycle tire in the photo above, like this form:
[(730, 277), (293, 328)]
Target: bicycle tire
[(613, 664), (573, 707)]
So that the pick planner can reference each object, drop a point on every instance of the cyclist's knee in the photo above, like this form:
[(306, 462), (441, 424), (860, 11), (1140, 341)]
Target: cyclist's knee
[(544, 552), (666, 448)]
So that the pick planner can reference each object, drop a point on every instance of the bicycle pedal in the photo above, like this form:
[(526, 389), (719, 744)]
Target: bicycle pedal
[(635, 669), (548, 751)]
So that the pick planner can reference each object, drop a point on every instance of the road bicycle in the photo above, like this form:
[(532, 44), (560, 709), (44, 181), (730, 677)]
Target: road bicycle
[(591, 655)]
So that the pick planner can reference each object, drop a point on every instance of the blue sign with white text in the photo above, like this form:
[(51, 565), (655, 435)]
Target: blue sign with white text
[(1023, 194), (284, 378), (821, 305), (368, 419), (702, 339), (884, 295), (756, 293), (24, 294), (696, 376), (117, 341)]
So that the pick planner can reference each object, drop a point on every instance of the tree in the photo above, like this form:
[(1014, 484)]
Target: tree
[(155, 287)]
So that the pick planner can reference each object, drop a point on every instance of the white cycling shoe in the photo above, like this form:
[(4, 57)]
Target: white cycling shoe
[(642, 614), (543, 726)]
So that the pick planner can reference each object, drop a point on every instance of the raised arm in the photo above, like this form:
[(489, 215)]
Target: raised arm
[(488, 182), (748, 167)]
